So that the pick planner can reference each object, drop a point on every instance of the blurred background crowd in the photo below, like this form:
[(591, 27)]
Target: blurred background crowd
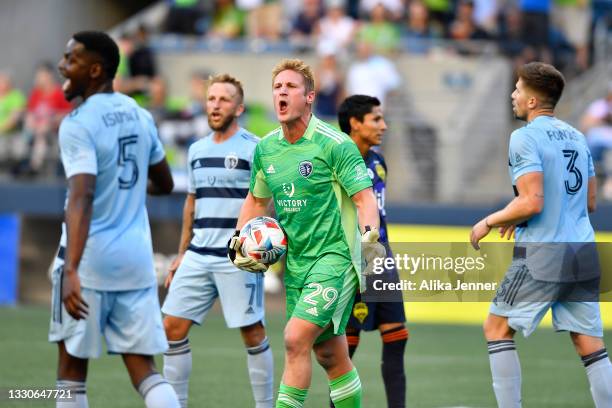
[(355, 44)]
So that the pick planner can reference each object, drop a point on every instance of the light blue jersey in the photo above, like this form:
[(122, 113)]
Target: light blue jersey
[(219, 176), (553, 147), (111, 137)]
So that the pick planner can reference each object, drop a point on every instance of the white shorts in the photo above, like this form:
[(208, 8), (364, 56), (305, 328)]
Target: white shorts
[(195, 288), (129, 321), (575, 316)]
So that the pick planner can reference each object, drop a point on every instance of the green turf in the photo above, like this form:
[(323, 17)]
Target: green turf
[(447, 366)]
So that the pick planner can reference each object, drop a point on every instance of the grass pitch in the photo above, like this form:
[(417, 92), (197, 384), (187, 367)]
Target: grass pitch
[(447, 366)]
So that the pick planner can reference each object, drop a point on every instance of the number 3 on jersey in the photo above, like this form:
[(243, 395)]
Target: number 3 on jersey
[(129, 173), (571, 167)]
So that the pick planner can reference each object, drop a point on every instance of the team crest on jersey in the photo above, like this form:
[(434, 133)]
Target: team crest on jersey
[(380, 170), (288, 189), (231, 161), (360, 311), (305, 168)]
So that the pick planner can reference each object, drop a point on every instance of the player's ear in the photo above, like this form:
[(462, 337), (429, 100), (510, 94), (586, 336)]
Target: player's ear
[(310, 96), (95, 70), (354, 122), (239, 110)]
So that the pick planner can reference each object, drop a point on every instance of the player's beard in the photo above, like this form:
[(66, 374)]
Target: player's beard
[(223, 126)]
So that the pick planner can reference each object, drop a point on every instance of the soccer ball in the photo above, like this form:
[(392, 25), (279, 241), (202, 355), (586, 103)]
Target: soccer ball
[(263, 239)]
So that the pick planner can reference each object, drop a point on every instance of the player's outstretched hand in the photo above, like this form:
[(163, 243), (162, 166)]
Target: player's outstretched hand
[(371, 249), (71, 295), (172, 269), (240, 261), (507, 231), (479, 231)]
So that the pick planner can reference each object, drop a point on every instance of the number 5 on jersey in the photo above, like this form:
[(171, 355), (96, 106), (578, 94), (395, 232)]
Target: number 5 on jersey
[(128, 162)]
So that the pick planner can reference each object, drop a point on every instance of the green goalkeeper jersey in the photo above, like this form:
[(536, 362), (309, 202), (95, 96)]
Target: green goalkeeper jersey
[(311, 182)]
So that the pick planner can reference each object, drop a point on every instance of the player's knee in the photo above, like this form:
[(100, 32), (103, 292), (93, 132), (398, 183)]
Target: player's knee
[(326, 358), (176, 328), (496, 328), (295, 344), (253, 335)]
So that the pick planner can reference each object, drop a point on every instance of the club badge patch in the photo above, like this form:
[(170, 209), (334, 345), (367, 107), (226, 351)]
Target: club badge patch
[(231, 161), (305, 168)]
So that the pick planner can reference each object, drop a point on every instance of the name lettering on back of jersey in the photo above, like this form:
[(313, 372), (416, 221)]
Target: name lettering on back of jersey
[(270, 169), (111, 119), (561, 135)]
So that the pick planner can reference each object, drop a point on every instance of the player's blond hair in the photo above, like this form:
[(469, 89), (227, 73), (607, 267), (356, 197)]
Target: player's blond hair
[(298, 66), (227, 79)]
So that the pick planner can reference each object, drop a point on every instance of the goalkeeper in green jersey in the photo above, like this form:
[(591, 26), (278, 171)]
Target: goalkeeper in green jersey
[(320, 187)]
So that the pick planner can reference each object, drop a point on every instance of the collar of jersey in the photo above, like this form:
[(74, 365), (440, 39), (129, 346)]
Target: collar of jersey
[(312, 125)]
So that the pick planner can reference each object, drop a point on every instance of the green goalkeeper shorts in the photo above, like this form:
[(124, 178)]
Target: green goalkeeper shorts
[(326, 298)]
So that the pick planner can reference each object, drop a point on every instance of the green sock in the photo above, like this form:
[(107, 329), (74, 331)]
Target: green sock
[(290, 397), (346, 390)]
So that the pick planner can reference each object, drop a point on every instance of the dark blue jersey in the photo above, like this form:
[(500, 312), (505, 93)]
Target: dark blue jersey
[(377, 170)]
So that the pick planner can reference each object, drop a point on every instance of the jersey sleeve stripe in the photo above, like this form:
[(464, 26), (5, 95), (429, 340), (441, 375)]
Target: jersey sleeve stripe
[(215, 223), (332, 136), (221, 192), (334, 130), (218, 162)]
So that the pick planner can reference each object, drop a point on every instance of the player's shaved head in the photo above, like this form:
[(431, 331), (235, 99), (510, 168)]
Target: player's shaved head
[(103, 46), (298, 66), (543, 79), (355, 106)]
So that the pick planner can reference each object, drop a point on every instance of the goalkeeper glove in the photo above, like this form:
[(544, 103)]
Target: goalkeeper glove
[(371, 249), (234, 253)]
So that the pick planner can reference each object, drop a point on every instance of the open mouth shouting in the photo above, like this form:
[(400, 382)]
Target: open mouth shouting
[(283, 107)]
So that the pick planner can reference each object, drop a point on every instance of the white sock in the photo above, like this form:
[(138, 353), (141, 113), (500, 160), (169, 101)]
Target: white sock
[(177, 368), (506, 373), (261, 372), (599, 371), (157, 393), (77, 392)]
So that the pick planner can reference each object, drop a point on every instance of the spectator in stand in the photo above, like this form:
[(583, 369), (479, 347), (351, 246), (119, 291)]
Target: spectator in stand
[(184, 17), (440, 14), (228, 21), (596, 123), (142, 59), (510, 38), (336, 29), (380, 32), (12, 107), (573, 18), (305, 23), (535, 18), (395, 8), (464, 28), (485, 15), (417, 30), (45, 109), (264, 18), (329, 87), (371, 74)]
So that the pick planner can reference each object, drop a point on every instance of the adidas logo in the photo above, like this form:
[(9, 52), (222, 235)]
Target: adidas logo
[(312, 311), (270, 170), (250, 311)]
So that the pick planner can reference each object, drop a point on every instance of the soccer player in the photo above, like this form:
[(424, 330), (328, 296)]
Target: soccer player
[(103, 279), (361, 117), (219, 171), (554, 181), (316, 177)]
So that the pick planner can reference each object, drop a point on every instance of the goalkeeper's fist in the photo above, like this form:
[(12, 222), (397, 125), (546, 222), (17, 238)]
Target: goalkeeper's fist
[(371, 249), (245, 263)]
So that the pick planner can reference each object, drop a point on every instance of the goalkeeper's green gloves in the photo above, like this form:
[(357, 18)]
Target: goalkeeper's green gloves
[(246, 263), (371, 249)]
